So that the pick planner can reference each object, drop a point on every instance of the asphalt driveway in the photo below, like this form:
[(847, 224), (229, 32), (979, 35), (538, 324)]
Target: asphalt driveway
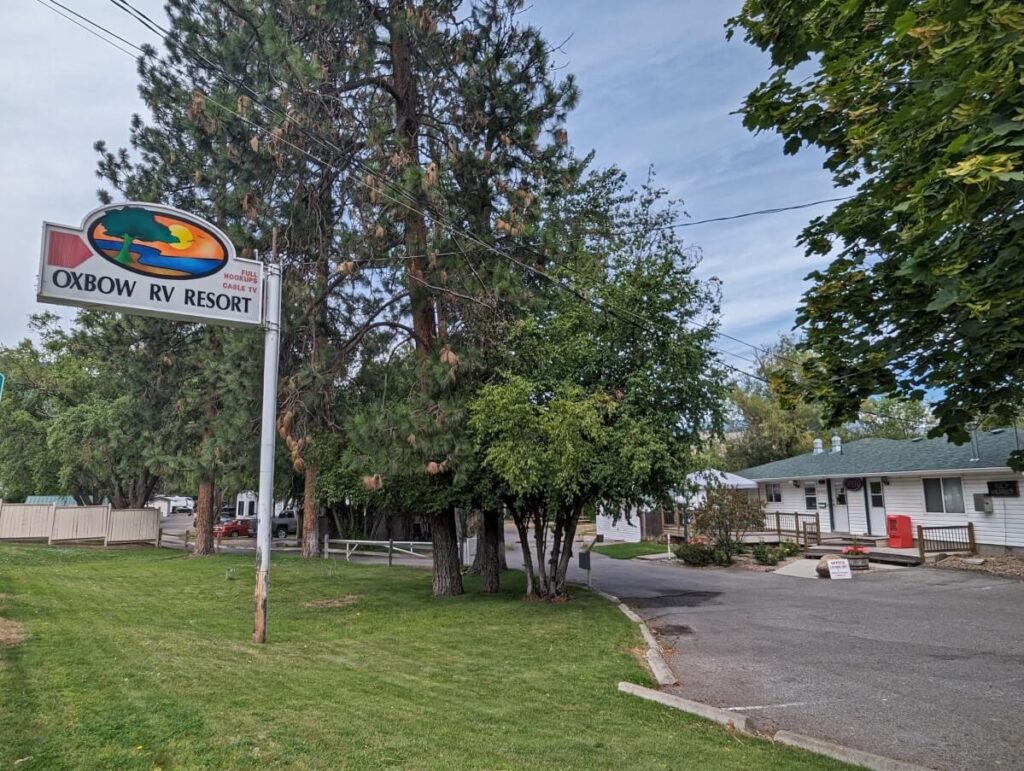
[(921, 664)]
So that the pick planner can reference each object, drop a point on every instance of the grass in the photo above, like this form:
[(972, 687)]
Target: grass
[(626, 551), (142, 659)]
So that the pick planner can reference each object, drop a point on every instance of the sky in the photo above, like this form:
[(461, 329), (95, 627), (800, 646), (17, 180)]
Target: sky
[(659, 85)]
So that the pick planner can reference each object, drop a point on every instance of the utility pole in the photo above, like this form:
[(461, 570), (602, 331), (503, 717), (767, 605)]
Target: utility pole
[(272, 333)]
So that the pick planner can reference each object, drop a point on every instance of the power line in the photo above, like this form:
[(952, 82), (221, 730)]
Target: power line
[(91, 32), (727, 218), (454, 230), (414, 204)]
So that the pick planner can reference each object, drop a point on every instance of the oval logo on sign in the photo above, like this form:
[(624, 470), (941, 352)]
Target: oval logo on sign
[(157, 241)]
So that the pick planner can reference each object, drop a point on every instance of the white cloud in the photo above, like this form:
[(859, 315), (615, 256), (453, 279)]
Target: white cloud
[(659, 84)]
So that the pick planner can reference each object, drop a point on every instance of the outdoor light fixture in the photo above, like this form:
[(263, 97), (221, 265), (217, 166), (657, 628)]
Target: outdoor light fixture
[(796, 483), (885, 480)]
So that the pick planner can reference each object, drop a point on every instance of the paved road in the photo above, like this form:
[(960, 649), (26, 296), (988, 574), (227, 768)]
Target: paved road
[(923, 665)]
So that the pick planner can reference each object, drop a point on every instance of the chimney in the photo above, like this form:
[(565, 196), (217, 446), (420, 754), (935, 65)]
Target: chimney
[(837, 444), (818, 447)]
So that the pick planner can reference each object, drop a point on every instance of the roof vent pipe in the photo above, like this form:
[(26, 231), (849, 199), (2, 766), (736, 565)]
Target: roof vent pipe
[(837, 444), (817, 447)]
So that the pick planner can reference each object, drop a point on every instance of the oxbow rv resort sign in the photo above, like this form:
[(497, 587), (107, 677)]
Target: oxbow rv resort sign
[(153, 260)]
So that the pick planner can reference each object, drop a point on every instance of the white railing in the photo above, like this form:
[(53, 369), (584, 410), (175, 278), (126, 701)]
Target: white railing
[(349, 546)]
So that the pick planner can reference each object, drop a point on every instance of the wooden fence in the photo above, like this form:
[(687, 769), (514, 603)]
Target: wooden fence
[(26, 522), (946, 538), (801, 527), (79, 523), (71, 524), (133, 526)]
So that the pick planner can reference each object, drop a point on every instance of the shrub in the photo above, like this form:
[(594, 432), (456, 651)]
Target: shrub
[(766, 555), (702, 554), (725, 516), (789, 549)]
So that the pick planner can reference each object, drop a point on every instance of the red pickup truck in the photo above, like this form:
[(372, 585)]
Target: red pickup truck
[(232, 528)]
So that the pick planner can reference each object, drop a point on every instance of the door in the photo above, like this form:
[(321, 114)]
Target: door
[(876, 506), (840, 510)]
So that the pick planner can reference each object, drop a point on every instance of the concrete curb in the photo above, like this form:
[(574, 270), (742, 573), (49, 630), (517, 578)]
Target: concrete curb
[(652, 642), (610, 597), (731, 720), (845, 754), (630, 614), (662, 673), (734, 720)]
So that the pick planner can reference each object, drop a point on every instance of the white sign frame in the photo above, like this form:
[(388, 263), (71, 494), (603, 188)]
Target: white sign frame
[(839, 569), (230, 296)]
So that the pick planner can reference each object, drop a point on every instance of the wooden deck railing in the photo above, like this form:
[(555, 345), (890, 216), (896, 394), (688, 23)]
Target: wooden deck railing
[(801, 527), (946, 538)]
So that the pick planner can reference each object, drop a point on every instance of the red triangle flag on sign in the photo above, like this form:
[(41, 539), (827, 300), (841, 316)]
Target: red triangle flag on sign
[(66, 250)]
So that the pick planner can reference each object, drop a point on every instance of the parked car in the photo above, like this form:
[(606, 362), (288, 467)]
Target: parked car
[(286, 524), (232, 528)]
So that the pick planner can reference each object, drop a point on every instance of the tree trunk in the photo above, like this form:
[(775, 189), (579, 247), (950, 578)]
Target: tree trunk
[(310, 516), (522, 527), (540, 543), (487, 552), (204, 517), (447, 573), (563, 564), (407, 130), (475, 524), (500, 523)]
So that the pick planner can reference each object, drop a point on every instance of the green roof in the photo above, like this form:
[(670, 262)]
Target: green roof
[(892, 456), (59, 500)]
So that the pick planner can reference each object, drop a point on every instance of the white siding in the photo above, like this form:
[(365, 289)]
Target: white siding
[(1004, 527), (622, 530), (793, 500)]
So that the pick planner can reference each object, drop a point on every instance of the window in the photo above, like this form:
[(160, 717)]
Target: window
[(877, 500), (773, 493), (241, 509), (252, 508), (943, 495), (669, 515), (811, 497)]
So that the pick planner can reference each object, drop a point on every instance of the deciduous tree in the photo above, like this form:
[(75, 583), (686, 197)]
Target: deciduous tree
[(917, 105)]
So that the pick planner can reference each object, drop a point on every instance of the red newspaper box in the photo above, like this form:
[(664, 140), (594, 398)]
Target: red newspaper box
[(900, 530)]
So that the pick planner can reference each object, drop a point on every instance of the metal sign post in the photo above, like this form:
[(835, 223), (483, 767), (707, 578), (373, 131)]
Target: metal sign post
[(272, 327), (585, 563)]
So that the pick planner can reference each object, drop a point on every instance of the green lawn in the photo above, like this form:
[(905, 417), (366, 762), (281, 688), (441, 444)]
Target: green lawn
[(142, 659), (626, 551)]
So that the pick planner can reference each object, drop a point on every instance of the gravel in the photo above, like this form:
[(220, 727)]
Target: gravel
[(1003, 565)]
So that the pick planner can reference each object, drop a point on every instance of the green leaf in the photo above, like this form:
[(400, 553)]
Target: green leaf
[(904, 23)]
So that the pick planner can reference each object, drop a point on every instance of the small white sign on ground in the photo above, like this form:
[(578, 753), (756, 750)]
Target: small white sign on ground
[(839, 568)]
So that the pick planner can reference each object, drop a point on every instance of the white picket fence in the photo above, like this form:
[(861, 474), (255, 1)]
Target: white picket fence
[(69, 524)]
